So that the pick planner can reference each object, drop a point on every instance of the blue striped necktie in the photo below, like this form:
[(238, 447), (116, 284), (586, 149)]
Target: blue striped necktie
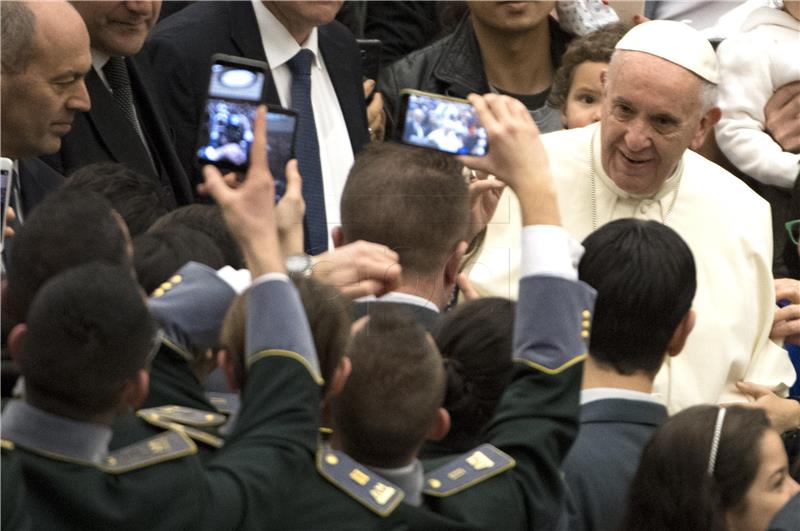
[(307, 153)]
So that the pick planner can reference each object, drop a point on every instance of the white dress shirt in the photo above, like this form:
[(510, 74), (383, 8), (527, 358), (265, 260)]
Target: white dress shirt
[(335, 150)]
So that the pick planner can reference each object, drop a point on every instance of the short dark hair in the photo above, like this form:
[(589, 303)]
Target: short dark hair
[(596, 47), (475, 340), (207, 219), (672, 488), (88, 331), (158, 255), (645, 278), (328, 316), (136, 197), (18, 30), (67, 228), (395, 388), (414, 201)]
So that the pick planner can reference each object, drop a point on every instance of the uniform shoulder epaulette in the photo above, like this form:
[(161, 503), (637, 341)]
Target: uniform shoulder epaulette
[(164, 447), (198, 435), (471, 468), (188, 416), (363, 485), (227, 403), (5, 444)]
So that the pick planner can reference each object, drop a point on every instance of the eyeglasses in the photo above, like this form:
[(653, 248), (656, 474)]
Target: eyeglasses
[(793, 228)]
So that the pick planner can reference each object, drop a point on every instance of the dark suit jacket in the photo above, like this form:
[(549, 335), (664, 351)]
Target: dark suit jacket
[(36, 180), (183, 44), (604, 459), (424, 316), (105, 135)]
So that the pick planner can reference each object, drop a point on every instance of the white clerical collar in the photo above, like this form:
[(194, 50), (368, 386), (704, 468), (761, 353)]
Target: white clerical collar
[(666, 188), (403, 298), (279, 45), (603, 393)]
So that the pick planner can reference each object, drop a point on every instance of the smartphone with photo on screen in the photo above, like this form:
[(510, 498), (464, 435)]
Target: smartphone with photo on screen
[(442, 123), (6, 185), (235, 90)]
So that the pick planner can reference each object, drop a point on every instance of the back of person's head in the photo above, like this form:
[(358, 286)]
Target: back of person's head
[(88, 331), (328, 317), (645, 278), (18, 28), (207, 219), (414, 201), (158, 255), (595, 47), (672, 488), (392, 397), (136, 197), (476, 341), (67, 229)]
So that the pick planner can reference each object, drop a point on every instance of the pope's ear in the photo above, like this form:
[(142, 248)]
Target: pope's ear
[(705, 126)]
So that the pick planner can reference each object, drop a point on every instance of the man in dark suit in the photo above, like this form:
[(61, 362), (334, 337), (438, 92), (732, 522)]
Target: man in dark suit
[(415, 202), (644, 274), (125, 123), (274, 32), (45, 56)]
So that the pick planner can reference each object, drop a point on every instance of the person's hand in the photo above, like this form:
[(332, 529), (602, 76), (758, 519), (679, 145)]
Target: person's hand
[(783, 117), (249, 209), (484, 194), (359, 269), (289, 212), (786, 322), (376, 118), (783, 413), (516, 156), (8, 232), (465, 286)]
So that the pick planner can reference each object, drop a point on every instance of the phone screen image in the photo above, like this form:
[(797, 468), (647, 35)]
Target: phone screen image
[(445, 125), (5, 190), (233, 95), (280, 147)]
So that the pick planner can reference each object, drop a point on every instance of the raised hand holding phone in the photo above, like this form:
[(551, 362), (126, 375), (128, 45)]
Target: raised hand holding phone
[(249, 209), (517, 157)]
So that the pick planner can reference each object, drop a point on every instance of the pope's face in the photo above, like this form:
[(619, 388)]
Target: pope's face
[(651, 115)]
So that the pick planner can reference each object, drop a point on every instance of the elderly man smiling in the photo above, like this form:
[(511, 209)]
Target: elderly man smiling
[(659, 100)]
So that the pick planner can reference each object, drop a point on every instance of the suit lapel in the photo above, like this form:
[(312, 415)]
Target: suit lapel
[(247, 39)]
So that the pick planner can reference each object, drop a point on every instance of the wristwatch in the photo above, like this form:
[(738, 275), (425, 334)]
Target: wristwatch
[(299, 265)]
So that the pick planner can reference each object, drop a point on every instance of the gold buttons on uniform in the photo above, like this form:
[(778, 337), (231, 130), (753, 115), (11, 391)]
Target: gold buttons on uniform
[(331, 459), (585, 334), (435, 483), (586, 314), (176, 279)]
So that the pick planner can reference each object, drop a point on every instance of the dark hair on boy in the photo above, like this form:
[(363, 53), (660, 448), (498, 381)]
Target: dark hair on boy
[(475, 340), (328, 314), (158, 255), (67, 228), (596, 47), (207, 219), (645, 278), (672, 488), (137, 198), (394, 391), (415, 201), (88, 331), (18, 30)]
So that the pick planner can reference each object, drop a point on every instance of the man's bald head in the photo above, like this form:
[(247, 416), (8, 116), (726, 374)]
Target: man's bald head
[(45, 57)]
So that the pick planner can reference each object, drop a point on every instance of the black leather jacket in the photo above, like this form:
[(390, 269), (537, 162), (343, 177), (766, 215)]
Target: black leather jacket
[(453, 66)]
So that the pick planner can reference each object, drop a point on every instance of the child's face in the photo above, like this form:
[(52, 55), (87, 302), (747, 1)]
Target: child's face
[(585, 96)]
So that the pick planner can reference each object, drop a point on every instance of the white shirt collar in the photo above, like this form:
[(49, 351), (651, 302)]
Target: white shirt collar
[(602, 393), (99, 60), (403, 298), (279, 45)]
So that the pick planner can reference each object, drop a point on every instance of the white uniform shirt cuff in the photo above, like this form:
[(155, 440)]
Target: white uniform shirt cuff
[(268, 277), (549, 250)]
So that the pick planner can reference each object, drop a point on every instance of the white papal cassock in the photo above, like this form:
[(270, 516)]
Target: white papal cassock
[(726, 225)]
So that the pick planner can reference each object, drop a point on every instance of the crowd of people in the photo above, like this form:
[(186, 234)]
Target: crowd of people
[(583, 328)]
